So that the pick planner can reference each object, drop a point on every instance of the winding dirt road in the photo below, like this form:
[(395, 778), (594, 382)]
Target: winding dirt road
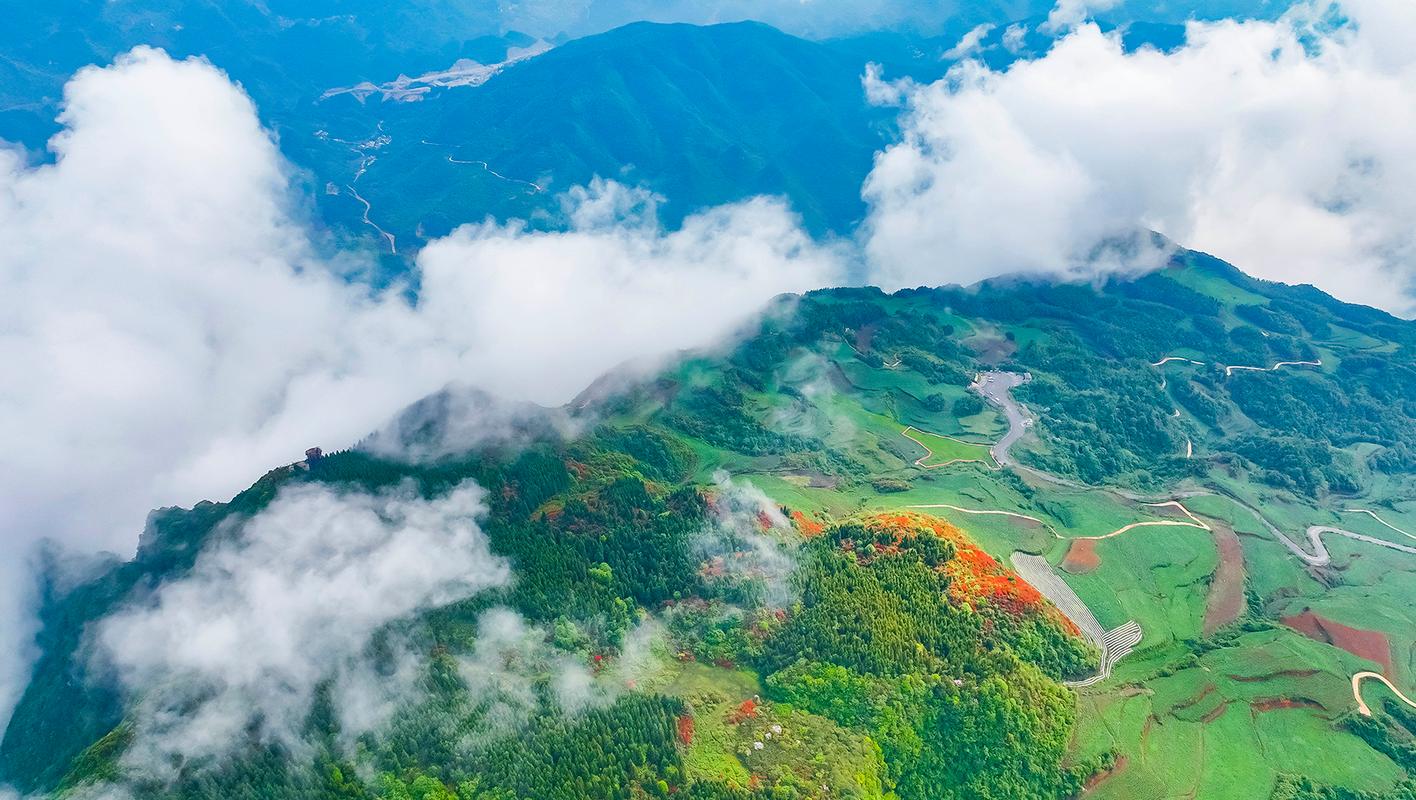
[(1229, 369), (1319, 557), (1374, 516), (1362, 707), (368, 207), (533, 186), (996, 388)]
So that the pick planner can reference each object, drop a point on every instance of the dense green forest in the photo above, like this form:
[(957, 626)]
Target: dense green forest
[(921, 646)]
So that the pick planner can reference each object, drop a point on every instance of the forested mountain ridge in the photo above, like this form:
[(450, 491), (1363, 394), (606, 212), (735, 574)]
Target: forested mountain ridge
[(701, 116), (780, 567)]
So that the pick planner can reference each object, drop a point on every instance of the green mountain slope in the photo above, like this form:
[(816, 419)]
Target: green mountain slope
[(864, 613)]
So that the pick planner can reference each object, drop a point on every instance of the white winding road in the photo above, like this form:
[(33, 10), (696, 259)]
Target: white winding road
[(1230, 369), (1362, 707), (996, 388)]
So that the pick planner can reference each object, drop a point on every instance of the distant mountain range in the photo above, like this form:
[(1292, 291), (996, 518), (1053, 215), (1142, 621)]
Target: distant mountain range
[(699, 115)]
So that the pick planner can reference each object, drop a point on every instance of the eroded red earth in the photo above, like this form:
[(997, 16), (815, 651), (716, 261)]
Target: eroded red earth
[(1371, 645), (1081, 557)]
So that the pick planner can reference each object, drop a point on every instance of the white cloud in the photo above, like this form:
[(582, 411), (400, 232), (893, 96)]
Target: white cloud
[(969, 42), (233, 652), (170, 332), (1294, 163), (746, 541), (546, 313), (1015, 37), (1068, 14), (512, 660), (286, 600)]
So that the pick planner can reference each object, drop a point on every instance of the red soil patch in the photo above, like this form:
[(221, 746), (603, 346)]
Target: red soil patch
[(1081, 557), (1371, 645), (1098, 778), (1275, 703), (1226, 595)]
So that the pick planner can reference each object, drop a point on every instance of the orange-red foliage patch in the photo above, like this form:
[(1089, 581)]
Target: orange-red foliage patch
[(744, 712), (808, 527), (974, 575)]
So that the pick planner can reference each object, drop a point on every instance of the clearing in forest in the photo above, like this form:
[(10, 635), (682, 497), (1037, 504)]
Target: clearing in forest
[(941, 451)]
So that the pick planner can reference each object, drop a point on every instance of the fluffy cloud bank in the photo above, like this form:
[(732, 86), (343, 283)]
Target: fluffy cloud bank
[(1288, 148), (170, 331), (236, 649)]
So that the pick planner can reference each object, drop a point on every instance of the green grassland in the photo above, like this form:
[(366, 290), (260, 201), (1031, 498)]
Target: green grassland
[(1215, 728), (944, 450), (1208, 283), (1156, 576), (1190, 716), (1187, 727)]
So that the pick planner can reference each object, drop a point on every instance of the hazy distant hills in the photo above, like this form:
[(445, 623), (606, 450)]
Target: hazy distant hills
[(283, 53), (701, 115)]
